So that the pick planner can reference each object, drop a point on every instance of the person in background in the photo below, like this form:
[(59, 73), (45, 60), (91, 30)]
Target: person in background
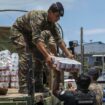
[(94, 86), (37, 33), (78, 96)]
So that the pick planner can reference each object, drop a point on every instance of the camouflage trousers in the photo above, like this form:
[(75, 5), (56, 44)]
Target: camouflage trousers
[(25, 74), (20, 44)]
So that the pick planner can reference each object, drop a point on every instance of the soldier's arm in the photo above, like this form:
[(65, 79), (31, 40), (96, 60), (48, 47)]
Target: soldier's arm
[(56, 83), (41, 46), (65, 50), (60, 42), (38, 36), (61, 94)]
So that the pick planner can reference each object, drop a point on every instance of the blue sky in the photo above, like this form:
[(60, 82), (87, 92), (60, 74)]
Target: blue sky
[(89, 14)]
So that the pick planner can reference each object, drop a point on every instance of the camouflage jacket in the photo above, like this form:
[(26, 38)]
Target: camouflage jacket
[(34, 25), (98, 91)]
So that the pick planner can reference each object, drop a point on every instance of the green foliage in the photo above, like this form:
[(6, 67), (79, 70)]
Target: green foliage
[(5, 42)]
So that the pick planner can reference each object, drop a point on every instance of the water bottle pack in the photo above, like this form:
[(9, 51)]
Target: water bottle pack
[(4, 68), (66, 64), (14, 70), (8, 69)]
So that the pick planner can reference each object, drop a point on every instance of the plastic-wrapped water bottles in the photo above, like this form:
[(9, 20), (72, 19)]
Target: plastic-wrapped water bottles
[(66, 64), (4, 69), (9, 69), (4, 79), (14, 70)]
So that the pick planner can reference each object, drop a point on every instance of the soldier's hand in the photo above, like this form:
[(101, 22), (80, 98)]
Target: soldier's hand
[(49, 60), (70, 56)]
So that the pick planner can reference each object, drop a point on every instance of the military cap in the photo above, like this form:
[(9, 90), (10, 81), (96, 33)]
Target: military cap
[(60, 8), (57, 7)]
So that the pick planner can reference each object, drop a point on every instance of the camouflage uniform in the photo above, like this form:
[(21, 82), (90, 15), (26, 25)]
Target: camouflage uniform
[(98, 91), (26, 32)]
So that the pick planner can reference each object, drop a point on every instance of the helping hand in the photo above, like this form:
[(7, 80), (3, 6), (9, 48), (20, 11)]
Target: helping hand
[(70, 56), (49, 60)]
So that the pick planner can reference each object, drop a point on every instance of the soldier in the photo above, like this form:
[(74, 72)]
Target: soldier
[(36, 32), (94, 86)]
